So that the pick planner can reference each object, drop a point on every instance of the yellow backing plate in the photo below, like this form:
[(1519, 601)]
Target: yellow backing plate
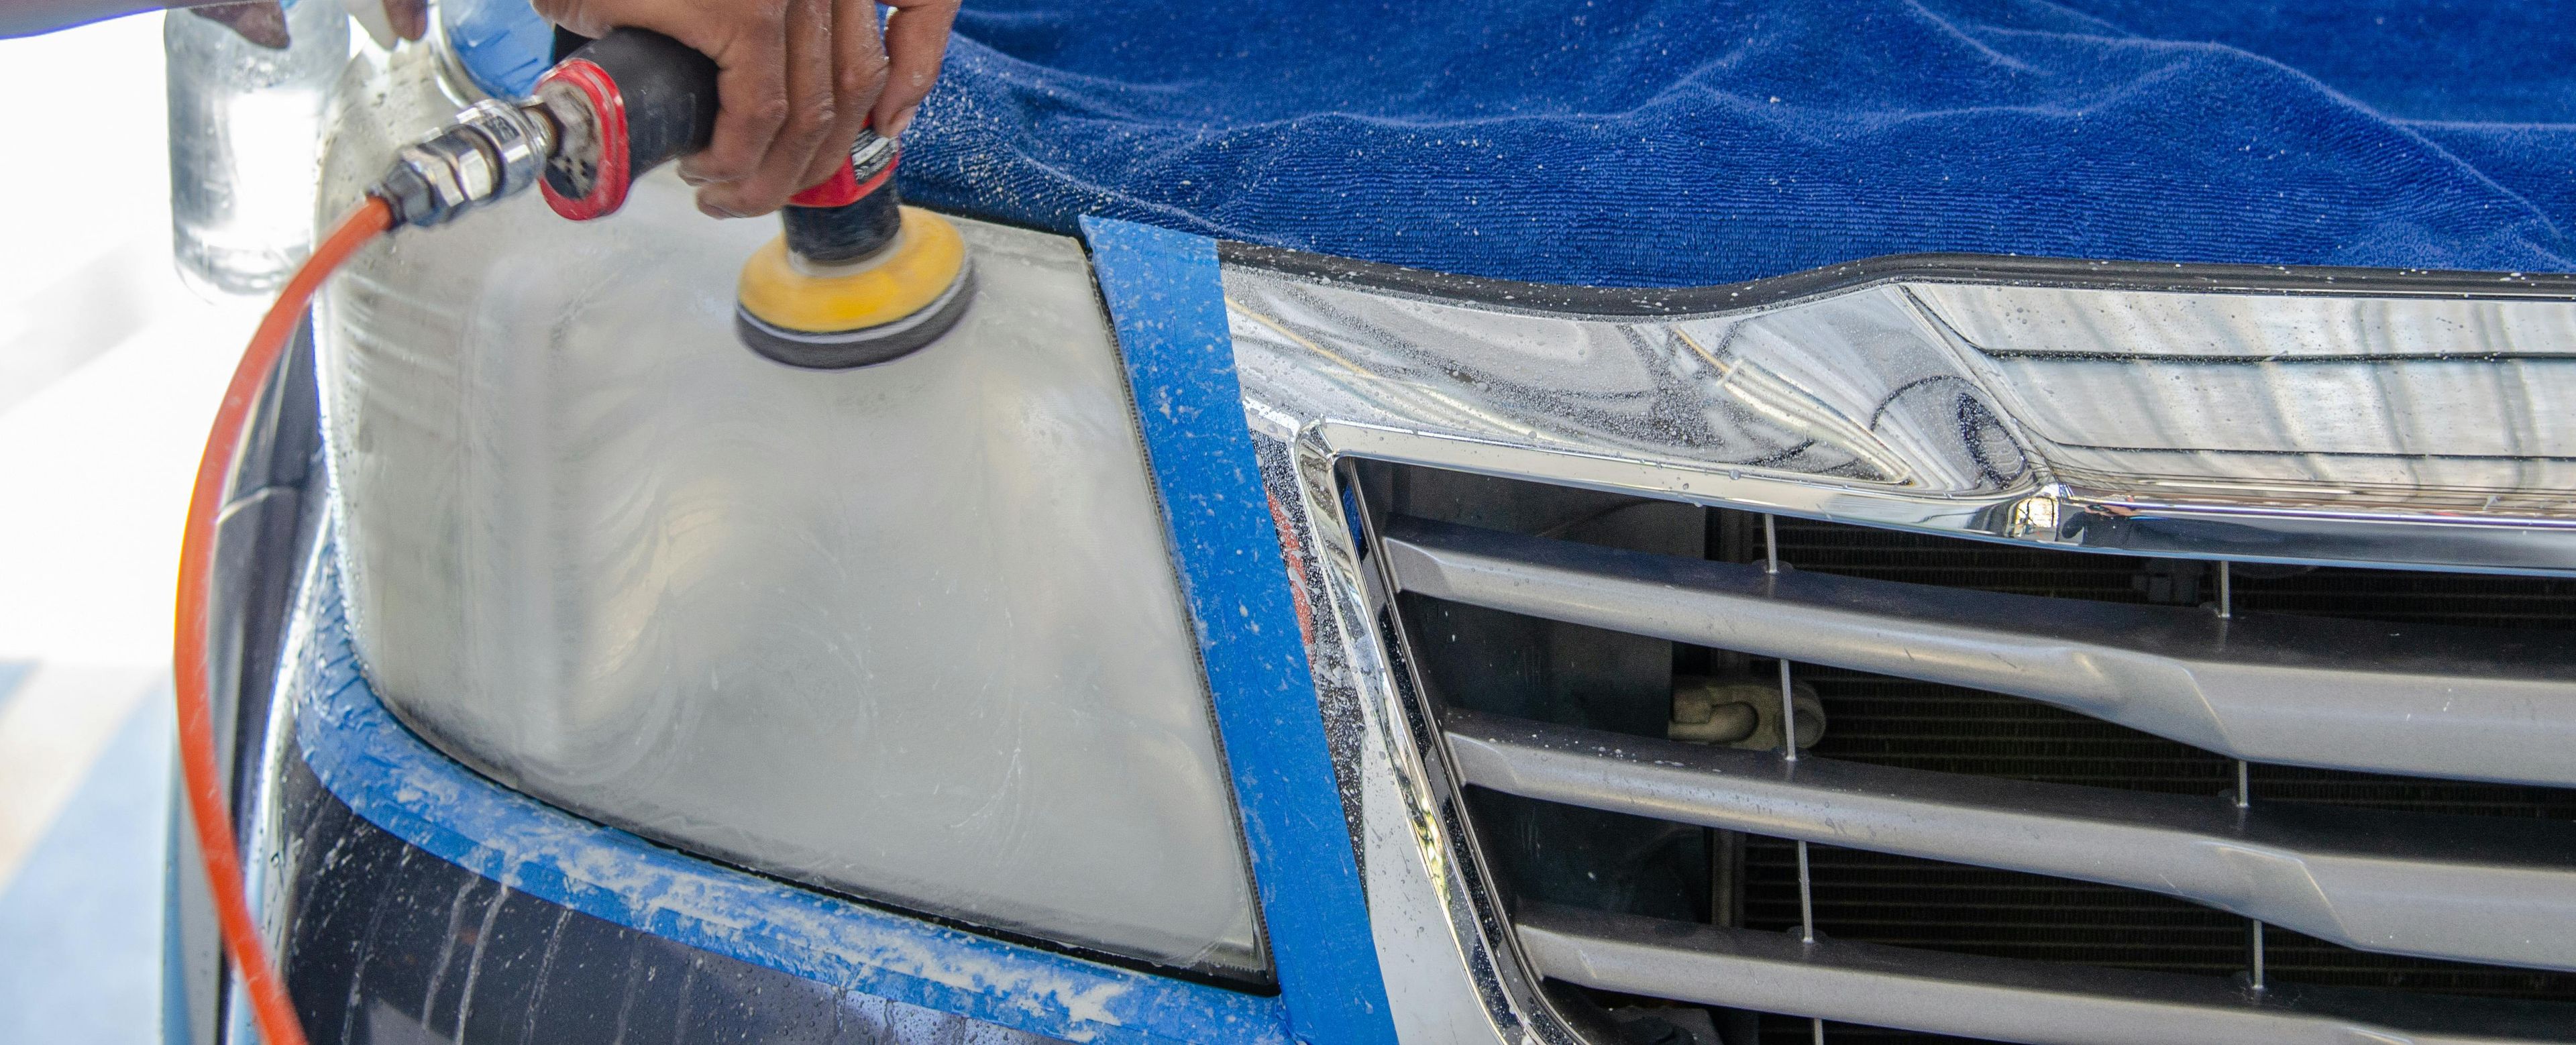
[(926, 258)]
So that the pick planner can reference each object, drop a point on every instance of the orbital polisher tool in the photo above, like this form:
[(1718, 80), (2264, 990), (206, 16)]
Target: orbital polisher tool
[(856, 279)]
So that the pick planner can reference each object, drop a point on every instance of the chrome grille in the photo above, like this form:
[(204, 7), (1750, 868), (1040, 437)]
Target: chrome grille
[(1987, 865)]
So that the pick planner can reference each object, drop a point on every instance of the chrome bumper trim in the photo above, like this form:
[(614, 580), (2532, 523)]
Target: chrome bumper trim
[(2394, 419)]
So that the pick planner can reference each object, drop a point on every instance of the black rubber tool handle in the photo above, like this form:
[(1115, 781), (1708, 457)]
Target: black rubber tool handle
[(669, 89), (650, 99)]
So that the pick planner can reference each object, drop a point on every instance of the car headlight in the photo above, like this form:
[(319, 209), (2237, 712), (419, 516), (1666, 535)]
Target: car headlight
[(909, 633)]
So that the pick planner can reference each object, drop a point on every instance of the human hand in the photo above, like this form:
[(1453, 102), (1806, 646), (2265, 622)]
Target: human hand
[(263, 22), (796, 81)]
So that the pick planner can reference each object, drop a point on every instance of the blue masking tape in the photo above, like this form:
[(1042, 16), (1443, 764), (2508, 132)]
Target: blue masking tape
[(1167, 304)]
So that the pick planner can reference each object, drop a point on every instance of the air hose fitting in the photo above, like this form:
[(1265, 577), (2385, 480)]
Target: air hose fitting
[(614, 109), (494, 149)]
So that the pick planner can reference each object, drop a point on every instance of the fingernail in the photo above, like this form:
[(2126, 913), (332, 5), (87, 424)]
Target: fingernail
[(895, 127), (715, 211)]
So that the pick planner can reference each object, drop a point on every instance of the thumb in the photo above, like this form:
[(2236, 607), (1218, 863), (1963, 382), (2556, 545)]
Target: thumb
[(410, 17), (261, 22)]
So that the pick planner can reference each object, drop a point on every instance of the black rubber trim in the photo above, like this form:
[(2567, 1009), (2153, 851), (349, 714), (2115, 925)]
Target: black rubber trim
[(1943, 268), (866, 346)]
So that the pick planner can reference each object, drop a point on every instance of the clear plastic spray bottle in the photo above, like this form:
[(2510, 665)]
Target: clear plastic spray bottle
[(245, 144)]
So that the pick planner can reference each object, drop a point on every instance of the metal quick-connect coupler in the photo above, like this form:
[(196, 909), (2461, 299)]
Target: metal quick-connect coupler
[(494, 149)]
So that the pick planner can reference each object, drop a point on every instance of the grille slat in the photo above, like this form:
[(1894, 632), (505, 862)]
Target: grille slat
[(2475, 703), (1975, 690), (2454, 887), (1996, 998)]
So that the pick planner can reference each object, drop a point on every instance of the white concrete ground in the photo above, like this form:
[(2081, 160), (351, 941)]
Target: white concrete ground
[(109, 372)]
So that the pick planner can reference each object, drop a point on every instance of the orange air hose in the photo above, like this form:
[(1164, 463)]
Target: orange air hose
[(207, 804)]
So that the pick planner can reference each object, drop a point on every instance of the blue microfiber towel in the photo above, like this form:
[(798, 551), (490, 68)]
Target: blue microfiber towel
[(1683, 143)]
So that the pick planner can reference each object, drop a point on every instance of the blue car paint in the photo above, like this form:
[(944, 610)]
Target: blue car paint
[(1168, 306)]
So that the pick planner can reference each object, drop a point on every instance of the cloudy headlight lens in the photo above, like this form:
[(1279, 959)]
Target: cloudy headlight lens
[(908, 632)]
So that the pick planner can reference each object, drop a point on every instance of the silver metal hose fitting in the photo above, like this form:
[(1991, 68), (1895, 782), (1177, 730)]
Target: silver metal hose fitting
[(494, 149)]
